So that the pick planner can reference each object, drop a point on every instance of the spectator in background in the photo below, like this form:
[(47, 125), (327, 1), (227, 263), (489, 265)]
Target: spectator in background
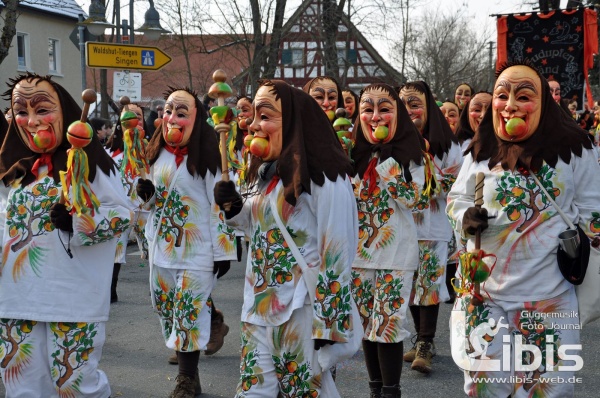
[(554, 90), (154, 113), (102, 127)]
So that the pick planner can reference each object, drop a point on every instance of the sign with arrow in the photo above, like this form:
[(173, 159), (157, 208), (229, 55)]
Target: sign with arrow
[(124, 56), (127, 84)]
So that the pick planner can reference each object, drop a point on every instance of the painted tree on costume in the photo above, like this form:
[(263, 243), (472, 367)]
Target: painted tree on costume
[(333, 300), (476, 315), (426, 280), (373, 214), (521, 198), (363, 297), (595, 228), (12, 334), (27, 215), (174, 215), (92, 233), (388, 290), (250, 373), (164, 306), (533, 331), (293, 378), (272, 259), (76, 343), (185, 314)]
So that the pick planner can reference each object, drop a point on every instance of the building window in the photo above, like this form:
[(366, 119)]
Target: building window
[(54, 55), (23, 51), (293, 57), (349, 56)]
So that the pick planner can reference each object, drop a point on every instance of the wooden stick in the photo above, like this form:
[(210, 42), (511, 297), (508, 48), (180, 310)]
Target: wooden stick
[(479, 177)]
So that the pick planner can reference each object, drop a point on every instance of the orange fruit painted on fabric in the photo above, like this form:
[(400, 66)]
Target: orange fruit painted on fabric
[(313, 394), (554, 192), (335, 303), (335, 287), (63, 327), (37, 189), (272, 236), (388, 278), (26, 327), (288, 276), (114, 222), (53, 191), (86, 354), (514, 215), (168, 237), (595, 227), (79, 336), (426, 257), (320, 293), (258, 254), (361, 216), (503, 201), (376, 191), (396, 304), (279, 277), (178, 296), (356, 282), (13, 231), (362, 233), (517, 191), (48, 226), (162, 297), (21, 209), (291, 366), (364, 194)]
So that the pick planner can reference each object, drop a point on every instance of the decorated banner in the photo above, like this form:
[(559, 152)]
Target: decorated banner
[(560, 43)]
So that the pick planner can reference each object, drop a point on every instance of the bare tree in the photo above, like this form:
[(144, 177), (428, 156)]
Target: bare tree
[(444, 51)]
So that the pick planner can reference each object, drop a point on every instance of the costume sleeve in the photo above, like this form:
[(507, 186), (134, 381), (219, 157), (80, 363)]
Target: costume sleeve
[(112, 218), (586, 175), (406, 194), (450, 169), (337, 240), (3, 203), (462, 194), (222, 235)]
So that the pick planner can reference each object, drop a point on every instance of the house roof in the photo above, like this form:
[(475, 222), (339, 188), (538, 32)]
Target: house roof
[(66, 8)]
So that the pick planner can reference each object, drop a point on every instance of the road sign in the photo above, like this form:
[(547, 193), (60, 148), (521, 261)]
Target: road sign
[(127, 84), (124, 56)]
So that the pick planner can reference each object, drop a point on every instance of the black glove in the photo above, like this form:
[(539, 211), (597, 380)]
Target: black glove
[(60, 217), (225, 192), (322, 343), (144, 189), (475, 218), (221, 267)]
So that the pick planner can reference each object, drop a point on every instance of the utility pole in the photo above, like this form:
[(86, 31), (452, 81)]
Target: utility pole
[(491, 66)]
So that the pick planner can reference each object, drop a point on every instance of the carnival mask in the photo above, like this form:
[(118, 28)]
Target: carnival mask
[(179, 118), (462, 95), (477, 107), (416, 105), (349, 103), (517, 103), (324, 91), (451, 113), (244, 108), (267, 125), (38, 115), (378, 115)]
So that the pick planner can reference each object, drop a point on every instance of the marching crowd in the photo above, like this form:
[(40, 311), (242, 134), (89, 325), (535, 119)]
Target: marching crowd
[(355, 209)]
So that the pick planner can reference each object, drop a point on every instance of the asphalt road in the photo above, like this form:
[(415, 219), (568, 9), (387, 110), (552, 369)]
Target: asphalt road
[(135, 357)]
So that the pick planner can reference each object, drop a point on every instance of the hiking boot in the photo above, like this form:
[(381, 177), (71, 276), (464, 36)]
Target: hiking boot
[(422, 362), (410, 355), (173, 359), (187, 387), (375, 388), (390, 392), (218, 331)]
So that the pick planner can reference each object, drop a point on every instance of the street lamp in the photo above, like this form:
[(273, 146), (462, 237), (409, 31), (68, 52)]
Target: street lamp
[(97, 24), (151, 27)]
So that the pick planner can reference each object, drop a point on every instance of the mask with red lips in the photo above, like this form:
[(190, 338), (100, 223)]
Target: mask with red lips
[(38, 115), (517, 103), (378, 112), (178, 118)]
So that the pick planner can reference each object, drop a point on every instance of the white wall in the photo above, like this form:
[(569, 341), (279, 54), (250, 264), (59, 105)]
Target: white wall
[(40, 28)]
